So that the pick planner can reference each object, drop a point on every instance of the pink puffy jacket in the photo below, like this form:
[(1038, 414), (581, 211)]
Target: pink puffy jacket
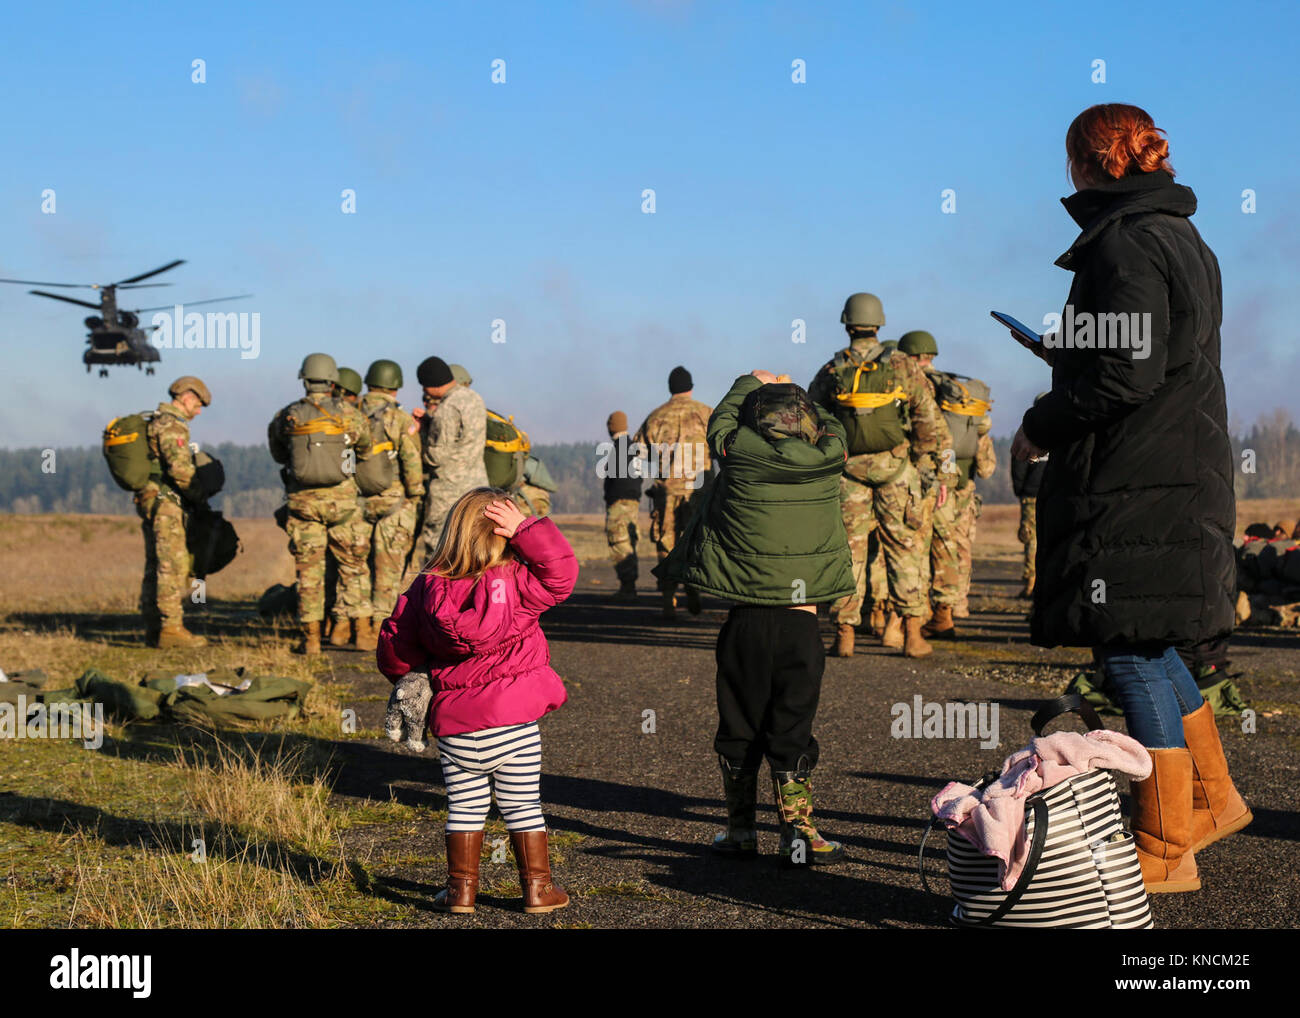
[(479, 639)]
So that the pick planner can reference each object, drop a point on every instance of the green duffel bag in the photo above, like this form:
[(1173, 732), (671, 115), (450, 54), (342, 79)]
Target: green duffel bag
[(212, 541)]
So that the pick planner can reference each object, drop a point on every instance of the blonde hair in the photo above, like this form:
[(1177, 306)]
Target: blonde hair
[(469, 546)]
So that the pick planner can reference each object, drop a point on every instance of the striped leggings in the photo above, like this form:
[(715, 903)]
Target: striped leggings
[(512, 757)]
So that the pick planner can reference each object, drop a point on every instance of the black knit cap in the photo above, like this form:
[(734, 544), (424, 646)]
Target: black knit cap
[(433, 372), (679, 380)]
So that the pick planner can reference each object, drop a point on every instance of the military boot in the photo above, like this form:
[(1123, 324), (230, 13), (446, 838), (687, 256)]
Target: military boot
[(940, 626), (626, 592), (878, 619), (310, 642), (174, 634), (914, 644), (367, 633), (341, 632), (740, 788), (844, 638), (892, 637), (801, 842)]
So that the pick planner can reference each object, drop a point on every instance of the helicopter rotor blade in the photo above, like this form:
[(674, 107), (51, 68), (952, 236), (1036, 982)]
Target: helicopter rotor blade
[(154, 272), (137, 286), (36, 282), (193, 303), (70, 300)]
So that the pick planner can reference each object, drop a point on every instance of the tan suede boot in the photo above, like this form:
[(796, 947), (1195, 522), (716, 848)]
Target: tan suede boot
[(914, 644), (532, 856), (310, 642), (367, 634), (844, 638), (940, 626), (464, 849), (341, 632), (1217, 808), (892, 637), (878, 619), (1162, 823), (174, 634)]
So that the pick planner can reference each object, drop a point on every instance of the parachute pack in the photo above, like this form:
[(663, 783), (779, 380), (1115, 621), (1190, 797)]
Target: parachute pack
[(867, 398), (211, 541), (317, 445), (963, 401), (506, 452), (377, 470), (126, 451)]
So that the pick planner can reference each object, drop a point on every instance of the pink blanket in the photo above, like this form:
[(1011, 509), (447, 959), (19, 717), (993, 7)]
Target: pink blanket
[(993, 818)]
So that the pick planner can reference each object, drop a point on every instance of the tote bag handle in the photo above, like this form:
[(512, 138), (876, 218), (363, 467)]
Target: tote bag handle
[(1071, 703)]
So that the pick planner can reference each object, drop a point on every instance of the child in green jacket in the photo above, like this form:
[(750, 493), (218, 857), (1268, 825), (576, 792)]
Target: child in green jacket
[(769, 536)]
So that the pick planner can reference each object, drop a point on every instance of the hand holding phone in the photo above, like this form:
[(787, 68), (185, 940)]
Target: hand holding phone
[(1022, 334)]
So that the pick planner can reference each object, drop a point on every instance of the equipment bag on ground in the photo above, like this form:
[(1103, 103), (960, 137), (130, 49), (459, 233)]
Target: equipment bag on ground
[(1081, 870)]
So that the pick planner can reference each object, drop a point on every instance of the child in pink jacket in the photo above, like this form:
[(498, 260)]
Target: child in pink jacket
[(470, 622)]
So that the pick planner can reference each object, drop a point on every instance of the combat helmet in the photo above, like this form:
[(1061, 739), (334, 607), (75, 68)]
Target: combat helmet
[(189, 383), (349, 381), (918, 343), (384, 374), (318, 367), (862, 310)]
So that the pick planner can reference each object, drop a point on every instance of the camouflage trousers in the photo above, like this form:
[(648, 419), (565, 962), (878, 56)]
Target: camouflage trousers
[(1028, 535), (533, 501), (392, 532), (437, 504), (166, 560), (950, 547), (670, 511), (966, 550), (316, 523), (896, 510), (620, 532)]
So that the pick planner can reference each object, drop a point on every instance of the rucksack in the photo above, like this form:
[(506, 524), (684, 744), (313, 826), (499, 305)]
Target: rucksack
[(867, 400), (536, 474), (506, 451), (126, 451), (317, 445), (211, 540), (377, 470), (962, 401)]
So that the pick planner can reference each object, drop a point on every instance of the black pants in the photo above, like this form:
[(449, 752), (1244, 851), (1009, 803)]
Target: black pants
[(770, 663)]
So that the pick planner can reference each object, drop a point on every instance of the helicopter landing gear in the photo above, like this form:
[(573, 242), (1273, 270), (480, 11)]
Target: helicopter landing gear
[(103, 372), (148, 371), (87, 369)]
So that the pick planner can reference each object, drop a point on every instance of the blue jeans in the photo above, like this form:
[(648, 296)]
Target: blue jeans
[(1155, 689)]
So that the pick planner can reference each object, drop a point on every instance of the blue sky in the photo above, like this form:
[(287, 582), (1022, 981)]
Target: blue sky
[(522, 201)]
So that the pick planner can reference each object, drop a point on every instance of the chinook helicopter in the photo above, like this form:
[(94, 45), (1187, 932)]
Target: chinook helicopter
[(115, 337)]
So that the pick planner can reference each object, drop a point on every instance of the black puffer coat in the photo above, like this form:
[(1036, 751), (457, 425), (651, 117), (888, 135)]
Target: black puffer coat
[(1136, 512)]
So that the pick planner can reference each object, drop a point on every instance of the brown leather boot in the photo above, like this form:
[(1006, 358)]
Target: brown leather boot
[(464, 849), (844, 637), (341, 632), (1162, 823), (940, 626), (174, 634), (367, 634), (914, 644), (310, 642), (1217, 808), (878, 619), (541, 893), (892, 637)]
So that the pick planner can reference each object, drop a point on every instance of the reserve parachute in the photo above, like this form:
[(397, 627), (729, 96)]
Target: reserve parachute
[(506, 452)]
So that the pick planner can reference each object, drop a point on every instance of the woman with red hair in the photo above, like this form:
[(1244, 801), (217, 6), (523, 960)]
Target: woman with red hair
[(1136, 510)]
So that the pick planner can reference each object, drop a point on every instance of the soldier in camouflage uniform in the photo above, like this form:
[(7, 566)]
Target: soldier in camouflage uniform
[(391, 514), (883, 489), (161, 506), (674, 436), (955, 510), (534, 495), (622, 490), (1026, 477), (316, 440), (455, 435), (348, 387)]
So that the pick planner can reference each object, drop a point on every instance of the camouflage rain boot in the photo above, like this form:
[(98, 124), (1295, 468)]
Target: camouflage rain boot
[(174, 634), (801, 842), (740, 788), (341, 632)]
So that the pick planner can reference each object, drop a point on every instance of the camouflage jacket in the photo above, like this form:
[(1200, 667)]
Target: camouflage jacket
[(675, 439), (356, 428), (454, 439), (400, 428), (168, 435), (926, 431)]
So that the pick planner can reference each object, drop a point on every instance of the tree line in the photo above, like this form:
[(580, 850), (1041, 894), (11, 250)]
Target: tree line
[(76, 480)]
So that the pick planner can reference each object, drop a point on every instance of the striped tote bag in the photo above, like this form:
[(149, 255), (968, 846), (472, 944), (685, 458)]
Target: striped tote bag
[(1081, 871)]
